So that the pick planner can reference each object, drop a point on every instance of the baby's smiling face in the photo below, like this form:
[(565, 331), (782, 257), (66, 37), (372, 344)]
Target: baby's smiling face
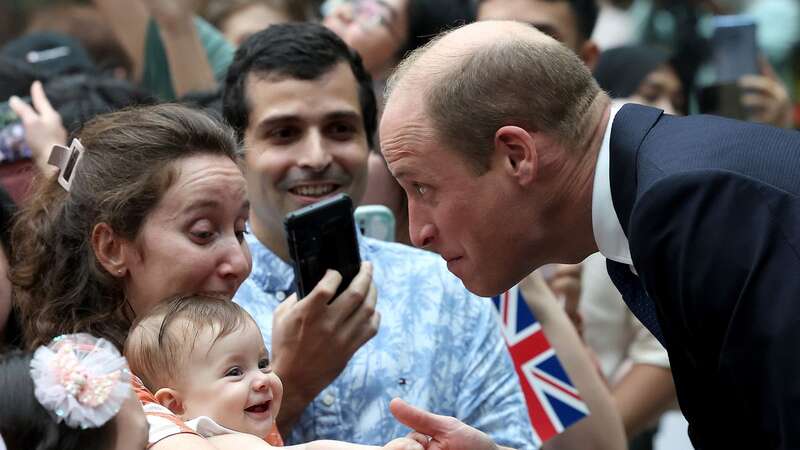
[(230, 380)]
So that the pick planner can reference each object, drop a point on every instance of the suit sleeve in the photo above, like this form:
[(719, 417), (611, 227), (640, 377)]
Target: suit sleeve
[(718, 253)]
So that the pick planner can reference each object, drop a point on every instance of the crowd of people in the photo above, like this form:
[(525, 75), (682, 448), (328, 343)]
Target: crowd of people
[(151, 149)]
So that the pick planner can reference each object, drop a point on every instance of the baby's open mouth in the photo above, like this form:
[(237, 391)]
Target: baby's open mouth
[(260, 408)]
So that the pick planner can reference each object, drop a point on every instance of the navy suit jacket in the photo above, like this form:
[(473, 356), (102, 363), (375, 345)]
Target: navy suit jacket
[(711, 209)]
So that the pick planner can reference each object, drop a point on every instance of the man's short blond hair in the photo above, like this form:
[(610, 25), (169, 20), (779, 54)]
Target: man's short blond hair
[(536, 84), (160, 343)]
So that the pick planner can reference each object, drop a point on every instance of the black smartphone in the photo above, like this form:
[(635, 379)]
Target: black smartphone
[(322, 236)]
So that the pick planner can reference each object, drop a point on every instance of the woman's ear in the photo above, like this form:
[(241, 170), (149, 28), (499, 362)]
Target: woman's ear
[(170, 399), (517, 148), (109, 249)]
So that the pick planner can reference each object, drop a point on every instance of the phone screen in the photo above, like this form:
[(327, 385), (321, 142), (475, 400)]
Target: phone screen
[(12, 136), (735, 52), (12, 143), (322, 236)]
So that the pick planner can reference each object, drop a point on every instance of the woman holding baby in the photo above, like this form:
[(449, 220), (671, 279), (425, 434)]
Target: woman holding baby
[(147, 204)]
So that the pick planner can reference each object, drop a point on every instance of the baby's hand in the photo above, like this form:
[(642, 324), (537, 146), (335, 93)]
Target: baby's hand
[(404, 444)]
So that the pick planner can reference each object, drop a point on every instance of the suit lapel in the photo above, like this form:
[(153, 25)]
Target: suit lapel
[(631, 125)]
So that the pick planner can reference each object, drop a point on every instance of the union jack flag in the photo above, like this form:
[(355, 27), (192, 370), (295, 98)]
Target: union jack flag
[(553, 402)]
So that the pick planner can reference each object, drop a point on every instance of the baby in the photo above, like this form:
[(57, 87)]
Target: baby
[(204, 359)]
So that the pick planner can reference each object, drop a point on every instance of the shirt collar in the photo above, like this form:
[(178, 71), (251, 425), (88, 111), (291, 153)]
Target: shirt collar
[(611, 240)]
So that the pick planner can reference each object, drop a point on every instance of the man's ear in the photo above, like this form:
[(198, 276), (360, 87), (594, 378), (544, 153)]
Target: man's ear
[(517, 148), (109, 249), (589, 53), (170, 399)]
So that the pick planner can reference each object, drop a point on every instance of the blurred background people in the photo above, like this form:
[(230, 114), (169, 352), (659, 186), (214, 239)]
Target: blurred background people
[(238, 19), (84, 23), (58, 65), (383, 31), (571, 22), (643, 75), (684, 29)]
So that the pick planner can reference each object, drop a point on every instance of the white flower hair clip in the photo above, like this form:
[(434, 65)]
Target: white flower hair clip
[(81, 379)]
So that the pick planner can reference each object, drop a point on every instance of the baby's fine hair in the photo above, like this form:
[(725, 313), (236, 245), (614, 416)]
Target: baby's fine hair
[(161, 341)]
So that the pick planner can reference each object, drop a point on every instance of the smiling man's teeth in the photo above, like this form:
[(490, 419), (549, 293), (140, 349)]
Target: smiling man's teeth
[(314, 191)]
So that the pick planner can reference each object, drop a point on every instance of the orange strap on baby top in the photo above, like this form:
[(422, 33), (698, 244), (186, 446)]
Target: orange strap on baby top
[(274, 437)]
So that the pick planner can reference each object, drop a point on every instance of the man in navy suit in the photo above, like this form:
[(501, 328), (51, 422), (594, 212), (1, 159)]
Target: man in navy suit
[(512, 157)]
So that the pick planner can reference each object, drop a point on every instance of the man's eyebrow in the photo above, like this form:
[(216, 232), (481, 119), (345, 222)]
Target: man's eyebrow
[(278, 118), (287, 118), (402, 173), (340, 115)]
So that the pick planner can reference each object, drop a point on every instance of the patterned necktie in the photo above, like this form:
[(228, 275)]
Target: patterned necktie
[(640, 304)]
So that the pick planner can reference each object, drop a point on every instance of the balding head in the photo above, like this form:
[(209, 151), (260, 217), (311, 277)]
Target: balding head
[(439, 55), (478, 78)]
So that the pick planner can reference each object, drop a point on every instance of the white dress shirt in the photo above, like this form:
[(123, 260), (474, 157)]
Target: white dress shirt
[(611, 240), (611, 330)]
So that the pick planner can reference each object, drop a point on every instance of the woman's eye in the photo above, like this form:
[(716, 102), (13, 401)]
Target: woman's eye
[(421, 189), (234, 372), (202, 237), (240, 228), (240, 234), (202, 231)]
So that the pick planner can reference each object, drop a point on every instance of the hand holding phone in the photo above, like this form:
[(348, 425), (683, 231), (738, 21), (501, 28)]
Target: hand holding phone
[(313, 339), (320, 237), (766, 98), (43, 126)]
